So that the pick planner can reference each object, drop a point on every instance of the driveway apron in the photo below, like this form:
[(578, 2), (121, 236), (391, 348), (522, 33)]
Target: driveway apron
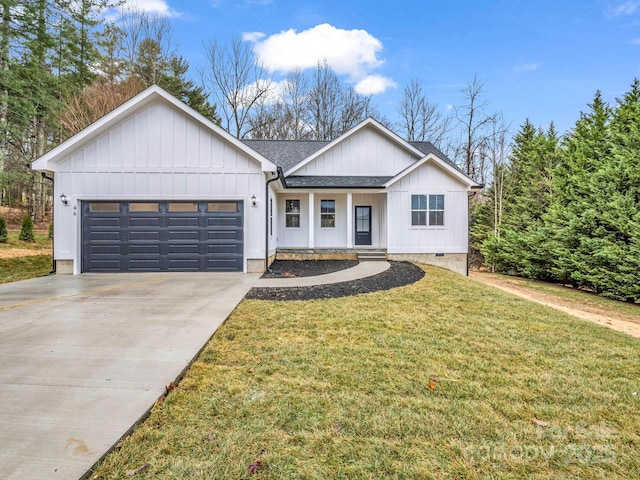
[(83, 358)]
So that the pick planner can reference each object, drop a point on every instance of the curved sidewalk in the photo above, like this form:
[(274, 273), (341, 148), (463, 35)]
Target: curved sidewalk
[(361, 270)]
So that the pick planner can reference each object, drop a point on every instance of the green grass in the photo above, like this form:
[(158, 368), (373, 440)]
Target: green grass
[(23, 268), (18, 267), (41, 242), (340, 388)]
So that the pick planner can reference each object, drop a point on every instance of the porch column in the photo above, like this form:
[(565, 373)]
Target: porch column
[(349, 220), (311, 220)]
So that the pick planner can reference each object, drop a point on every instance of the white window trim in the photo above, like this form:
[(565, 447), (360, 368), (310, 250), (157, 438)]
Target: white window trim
[(298, 214), (427, 226), (335, 208)]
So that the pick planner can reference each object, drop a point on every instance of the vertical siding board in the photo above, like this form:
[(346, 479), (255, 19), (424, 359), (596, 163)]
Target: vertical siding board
[(128, 143), (179, 137), (141, 139), (192, 143)]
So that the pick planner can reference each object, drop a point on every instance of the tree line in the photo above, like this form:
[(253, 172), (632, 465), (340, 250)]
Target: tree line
[(63, 66), (566, 209)]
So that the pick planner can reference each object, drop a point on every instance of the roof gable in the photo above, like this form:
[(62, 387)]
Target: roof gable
[(144, 99), (368, 124), (448, 167)]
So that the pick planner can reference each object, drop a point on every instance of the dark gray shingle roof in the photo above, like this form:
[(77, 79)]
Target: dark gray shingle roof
[(304, 181), (285, 153)]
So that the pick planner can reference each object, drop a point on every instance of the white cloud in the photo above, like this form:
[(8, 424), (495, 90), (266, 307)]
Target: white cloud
[(623, 9), (159, 7), (374, 84), (353, 53), (635, 41), (252, 36), (528, 67)]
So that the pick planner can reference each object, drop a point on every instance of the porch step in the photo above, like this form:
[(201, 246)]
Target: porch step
[(371, 255)]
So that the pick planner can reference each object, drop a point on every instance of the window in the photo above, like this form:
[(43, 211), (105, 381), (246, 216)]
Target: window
[(231, 207), (427, 210), (328, 213), (104, 207), (143, 207), (292, 213), (183, 207), (436, 210)]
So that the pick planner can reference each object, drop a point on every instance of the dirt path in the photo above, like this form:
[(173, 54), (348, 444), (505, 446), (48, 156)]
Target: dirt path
[(584, 309)]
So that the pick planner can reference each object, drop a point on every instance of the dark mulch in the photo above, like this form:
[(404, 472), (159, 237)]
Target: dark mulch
[(307, 268), (398, 275)]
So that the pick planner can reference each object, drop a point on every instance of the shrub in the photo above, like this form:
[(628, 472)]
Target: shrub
[(26, 231), (4, 236)]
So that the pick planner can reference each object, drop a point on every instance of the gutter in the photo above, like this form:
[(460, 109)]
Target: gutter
[(279, 176)]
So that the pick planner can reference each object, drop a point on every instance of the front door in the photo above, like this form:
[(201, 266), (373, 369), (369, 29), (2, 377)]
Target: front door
[(363, 226)]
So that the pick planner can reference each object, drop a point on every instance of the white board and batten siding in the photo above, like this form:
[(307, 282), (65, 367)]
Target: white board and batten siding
[(157, 153), (406, 238), (366, 152)]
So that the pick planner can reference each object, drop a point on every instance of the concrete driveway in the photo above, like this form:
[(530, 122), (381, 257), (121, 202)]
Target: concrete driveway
[(83, 358)]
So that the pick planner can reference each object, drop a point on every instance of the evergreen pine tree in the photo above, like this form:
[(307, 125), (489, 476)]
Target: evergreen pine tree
[(26, 231), (4, 235)]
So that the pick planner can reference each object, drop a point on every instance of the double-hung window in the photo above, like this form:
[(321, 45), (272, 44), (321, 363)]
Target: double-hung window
[(292, 213), (427, 210), (328, 213)]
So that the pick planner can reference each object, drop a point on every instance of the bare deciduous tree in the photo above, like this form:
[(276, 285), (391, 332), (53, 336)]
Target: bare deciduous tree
[(475, 125), (137, 28), (420, 119), (95, 101), (238, 81)]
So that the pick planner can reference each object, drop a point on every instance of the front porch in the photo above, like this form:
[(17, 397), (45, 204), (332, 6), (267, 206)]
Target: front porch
[(329, 223)]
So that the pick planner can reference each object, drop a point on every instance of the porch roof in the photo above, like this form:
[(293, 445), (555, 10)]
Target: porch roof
[(327, 181)]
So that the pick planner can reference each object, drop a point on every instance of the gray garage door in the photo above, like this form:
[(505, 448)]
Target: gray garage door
[(162, 236)]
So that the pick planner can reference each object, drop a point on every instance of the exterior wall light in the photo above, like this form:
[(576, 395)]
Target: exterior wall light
[(64, 199), (254, 201)]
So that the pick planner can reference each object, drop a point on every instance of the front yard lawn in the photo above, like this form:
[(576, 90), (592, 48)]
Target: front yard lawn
[(445, 378)]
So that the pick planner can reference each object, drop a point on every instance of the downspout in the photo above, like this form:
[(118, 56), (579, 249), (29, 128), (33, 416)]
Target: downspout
[(53, 206), (279, 174)]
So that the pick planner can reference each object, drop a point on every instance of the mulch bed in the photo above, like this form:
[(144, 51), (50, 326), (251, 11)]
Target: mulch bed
[(307, 268), (398, 275)]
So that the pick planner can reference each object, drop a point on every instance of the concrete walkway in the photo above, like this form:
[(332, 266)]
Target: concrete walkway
[(361, 270), (84, 357)]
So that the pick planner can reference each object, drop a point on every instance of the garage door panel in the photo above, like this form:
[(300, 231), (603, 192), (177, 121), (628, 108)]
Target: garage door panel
[(224, 235), (181, 248), (183, 222), (224, 248), (218, 222), (144, 265), (139, 238), (144, 249), (106, 222), (105, 236), (224, 265), (153, 222), (144, 235)]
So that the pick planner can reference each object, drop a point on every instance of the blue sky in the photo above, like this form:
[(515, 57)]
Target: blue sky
[(542, 60)]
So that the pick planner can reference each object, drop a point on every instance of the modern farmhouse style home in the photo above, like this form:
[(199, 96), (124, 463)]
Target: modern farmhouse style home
[(155, 186)]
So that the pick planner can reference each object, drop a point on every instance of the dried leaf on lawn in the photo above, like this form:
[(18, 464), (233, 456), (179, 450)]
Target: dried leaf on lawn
[(253, 468), (132, 472), (540, 423)]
